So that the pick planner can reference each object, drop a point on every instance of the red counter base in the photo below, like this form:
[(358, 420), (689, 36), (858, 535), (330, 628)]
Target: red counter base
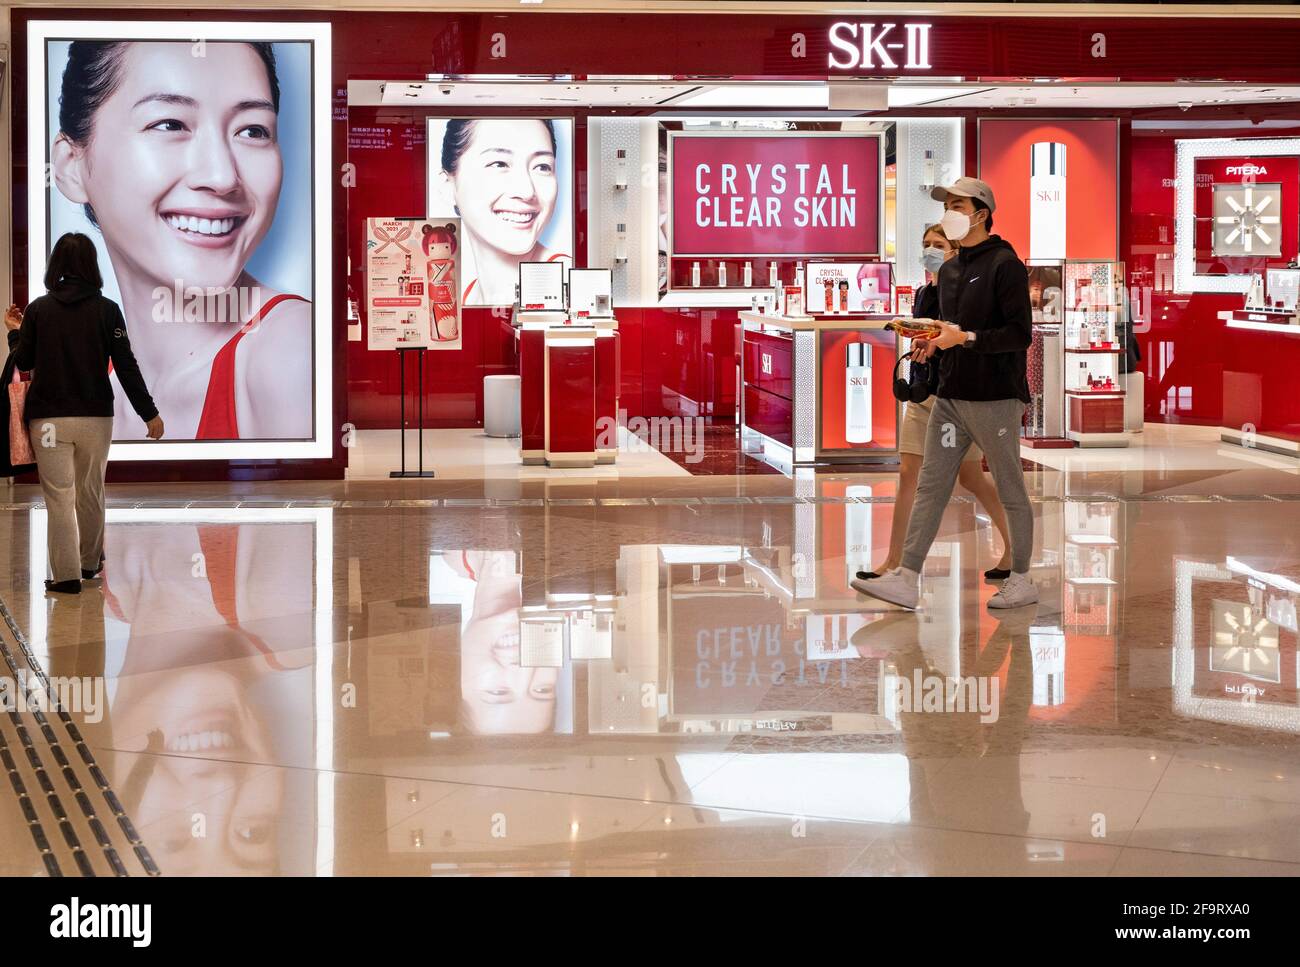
[(568, 390), (570, 407), (532, 395)]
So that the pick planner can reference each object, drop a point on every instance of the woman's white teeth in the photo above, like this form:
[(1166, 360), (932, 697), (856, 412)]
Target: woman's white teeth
[(200, 742), (517, 218), (202, 226)]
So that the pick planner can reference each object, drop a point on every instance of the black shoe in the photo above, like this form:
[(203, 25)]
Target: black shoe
[(867, 575), (62, 587), (91, 575), (997, 574)]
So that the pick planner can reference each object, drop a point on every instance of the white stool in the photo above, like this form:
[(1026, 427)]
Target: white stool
[(501, 406)]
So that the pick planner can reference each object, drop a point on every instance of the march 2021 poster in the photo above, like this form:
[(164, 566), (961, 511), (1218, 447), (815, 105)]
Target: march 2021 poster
[(412, 283)]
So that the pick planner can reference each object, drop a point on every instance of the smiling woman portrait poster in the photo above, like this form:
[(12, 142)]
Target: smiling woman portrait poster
[(189, 163), (510, 182)]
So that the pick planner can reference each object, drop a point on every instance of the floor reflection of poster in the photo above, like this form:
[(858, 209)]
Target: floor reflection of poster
[(412, 283), (212, 631)]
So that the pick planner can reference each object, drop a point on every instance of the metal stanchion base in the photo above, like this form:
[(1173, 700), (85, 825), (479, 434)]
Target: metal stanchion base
[(410, 473)]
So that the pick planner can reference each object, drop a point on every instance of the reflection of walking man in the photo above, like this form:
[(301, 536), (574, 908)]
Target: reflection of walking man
[(984, 298)]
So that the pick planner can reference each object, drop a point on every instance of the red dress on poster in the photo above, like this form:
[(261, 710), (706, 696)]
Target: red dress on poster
[(439, 244)]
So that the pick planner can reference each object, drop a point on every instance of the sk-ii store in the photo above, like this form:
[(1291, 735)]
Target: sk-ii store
[(708, 159)]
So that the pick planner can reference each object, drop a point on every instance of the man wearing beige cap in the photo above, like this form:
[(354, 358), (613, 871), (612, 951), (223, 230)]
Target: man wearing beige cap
[(982, 394)]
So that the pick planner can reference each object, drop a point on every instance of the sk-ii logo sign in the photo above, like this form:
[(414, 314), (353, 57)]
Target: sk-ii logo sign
[(871, 46), (766, 362)]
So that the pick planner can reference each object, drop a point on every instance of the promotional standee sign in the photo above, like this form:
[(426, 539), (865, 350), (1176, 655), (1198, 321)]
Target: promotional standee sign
[(857, 406), (775, 194), (195, 156), (510, 182), (412, 283)]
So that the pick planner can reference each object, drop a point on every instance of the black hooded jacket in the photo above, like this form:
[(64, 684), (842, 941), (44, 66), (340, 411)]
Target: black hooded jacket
[(984, 289), (68, 338)]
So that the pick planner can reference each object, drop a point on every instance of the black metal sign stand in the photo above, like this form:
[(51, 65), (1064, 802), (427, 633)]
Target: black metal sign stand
[(401, 382)]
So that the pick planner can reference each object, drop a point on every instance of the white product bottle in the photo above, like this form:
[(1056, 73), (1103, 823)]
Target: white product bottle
[(620, 168), (620, 243), (749, 275), (857, 531), (772, 278), (722, 275), (798, 274), (857, 393), (1046, 200), (695, 275)]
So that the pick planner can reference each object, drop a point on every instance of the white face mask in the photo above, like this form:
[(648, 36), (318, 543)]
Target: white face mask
[(956, 225), (932, 258)]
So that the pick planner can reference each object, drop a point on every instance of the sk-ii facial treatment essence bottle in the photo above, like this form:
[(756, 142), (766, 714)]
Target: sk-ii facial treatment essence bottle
[(857, 393), (1046, 200)]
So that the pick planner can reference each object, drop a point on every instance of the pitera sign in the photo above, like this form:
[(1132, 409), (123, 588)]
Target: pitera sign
[(776, 194)]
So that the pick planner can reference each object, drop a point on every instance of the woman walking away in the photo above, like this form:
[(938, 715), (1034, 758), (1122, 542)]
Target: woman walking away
[(68, 337)]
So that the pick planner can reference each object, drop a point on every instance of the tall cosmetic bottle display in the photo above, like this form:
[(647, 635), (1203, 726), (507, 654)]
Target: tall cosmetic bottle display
[(857, 531), (1046, 201), (857, 393)]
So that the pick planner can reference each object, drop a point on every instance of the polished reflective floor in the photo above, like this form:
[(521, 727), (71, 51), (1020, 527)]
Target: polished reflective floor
[(659, 676)]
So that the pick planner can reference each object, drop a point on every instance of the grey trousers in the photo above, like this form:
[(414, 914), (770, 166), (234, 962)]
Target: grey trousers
[(994, 426), (71, 454)]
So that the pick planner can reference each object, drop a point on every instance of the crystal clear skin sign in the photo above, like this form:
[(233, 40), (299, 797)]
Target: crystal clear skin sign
[(779, 194)]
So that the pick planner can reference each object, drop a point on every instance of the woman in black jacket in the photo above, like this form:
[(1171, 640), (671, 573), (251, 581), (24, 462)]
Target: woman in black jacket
[(68, 337)]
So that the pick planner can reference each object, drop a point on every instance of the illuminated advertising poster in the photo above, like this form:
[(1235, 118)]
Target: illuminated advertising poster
[(412, 289), (1056, 186), (1246, 212), (196, 157), (856, 406), (775, 194), (510, 181)]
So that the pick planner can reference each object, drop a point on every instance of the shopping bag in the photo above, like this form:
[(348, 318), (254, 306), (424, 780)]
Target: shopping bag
[(20, 444)]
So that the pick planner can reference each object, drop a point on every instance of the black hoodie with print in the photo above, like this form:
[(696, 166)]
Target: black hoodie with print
[(68, 337), (984, 289)]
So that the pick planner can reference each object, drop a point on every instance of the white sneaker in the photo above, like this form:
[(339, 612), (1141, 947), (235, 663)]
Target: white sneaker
[(900, 586), (1016, 592)]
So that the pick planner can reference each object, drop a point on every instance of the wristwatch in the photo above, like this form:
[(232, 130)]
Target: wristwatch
[(970, 338)]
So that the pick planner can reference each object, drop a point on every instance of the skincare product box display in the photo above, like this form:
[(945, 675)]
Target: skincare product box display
[(844, 288)]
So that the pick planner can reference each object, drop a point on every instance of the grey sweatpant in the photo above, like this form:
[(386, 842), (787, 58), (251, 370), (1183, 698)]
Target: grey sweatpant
[(994, 426), (71, 454)]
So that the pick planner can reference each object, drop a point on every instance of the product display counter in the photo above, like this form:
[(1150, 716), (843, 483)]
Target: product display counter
[(818, 389), (1261, 410), (568, 373)]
